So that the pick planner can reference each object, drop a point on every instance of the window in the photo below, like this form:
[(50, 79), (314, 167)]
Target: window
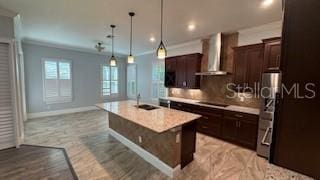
[(57, 81), (132, 81), (158, 88), (109, 83)]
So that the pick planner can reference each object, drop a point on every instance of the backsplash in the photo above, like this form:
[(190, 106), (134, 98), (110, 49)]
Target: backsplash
[(214, 89)]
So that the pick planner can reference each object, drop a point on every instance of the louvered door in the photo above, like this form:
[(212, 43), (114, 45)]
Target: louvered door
[(7, 127)]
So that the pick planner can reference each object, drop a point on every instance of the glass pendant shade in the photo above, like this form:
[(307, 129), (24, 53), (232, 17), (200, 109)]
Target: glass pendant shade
[(130, 59), (113, 61), (161, 51)]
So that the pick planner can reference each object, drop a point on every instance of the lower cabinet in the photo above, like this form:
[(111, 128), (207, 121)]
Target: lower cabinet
[(241, 128), (211, 121), (230, 128), (248, 132), (235, 127)]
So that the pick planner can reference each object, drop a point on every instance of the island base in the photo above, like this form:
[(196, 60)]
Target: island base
[(168, 151)]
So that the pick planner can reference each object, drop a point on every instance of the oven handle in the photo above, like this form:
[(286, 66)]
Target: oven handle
[(265, 137)]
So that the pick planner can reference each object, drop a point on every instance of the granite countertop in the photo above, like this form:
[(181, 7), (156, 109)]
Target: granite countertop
[(242, 109), (158, 120)]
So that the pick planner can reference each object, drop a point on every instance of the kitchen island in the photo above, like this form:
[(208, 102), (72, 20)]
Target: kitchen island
[(163, 137)]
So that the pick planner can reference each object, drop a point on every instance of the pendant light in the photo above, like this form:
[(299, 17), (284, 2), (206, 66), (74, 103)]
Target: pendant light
[(113, 60), (161, 51), (130, 57)]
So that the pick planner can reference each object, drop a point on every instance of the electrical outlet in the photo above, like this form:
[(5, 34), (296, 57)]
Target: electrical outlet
[(242, 99), (140, 139), (178, 138)]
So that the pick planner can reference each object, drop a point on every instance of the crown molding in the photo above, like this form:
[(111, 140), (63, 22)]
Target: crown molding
[(262, 28)]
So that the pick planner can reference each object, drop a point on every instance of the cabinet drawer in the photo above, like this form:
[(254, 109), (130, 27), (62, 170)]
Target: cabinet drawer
[(210, 120), (208, 129), (242, 116), (217, 113), (181, 106)]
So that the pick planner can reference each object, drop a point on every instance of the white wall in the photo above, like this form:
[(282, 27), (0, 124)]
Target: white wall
[(185, 48), (144, 76), (86, 69), (256, 34), (6, 27), (6, 23)]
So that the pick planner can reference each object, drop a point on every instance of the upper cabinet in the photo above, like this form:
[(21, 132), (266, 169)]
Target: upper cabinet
[(272, 53), (248, 65), (170, 72), (180, 71), (252, 60)]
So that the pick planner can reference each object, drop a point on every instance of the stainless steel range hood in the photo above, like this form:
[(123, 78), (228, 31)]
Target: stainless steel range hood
[(214, 54)]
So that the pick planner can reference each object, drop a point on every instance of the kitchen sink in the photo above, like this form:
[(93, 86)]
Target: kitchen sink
[(147, 107)]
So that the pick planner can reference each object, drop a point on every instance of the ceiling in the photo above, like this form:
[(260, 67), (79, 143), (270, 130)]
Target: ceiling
[(82, 23)]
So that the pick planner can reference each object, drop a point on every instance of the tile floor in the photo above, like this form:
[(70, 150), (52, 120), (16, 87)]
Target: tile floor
[(35, 162), (96, 155)]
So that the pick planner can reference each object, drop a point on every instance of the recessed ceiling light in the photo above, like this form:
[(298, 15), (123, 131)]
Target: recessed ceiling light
[(191, 27), (266, 3), (152, 39)]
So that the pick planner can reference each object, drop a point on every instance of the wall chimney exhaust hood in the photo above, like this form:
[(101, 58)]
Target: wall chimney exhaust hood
[(214, 54)]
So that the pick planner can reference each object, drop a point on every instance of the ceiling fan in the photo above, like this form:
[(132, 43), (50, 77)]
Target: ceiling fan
[(99, 46)]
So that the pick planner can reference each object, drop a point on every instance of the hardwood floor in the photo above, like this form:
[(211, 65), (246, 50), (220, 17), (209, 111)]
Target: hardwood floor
[(96, 155), (32, 162)]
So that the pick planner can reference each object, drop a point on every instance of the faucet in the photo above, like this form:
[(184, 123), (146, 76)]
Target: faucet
[(138, 99)]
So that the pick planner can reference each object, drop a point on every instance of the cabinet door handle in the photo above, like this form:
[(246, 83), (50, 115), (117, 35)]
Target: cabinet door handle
[(263, 142), (238, 115), (205, 117), (204, 127), (239, 123)]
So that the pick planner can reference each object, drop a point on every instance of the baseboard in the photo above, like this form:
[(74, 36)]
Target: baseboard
[(150, 158), (59, 112)]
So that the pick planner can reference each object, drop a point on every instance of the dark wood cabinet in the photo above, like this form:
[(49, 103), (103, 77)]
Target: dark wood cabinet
[(181, 106), (240, 67), (248, 65), (193, 65), (170, 72), (180, 71), (247, 134), (230, 128), (241, 128), (296, 143), (211, 121), (236, 127), (272, 53)]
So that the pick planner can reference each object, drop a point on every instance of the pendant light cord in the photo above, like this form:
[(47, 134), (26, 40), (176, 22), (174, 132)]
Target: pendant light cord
[(131, 38), (112, 41), (161, 18)]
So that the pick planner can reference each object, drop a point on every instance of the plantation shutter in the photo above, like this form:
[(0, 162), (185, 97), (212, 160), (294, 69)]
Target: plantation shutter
[(57, 81), (7, 130)]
